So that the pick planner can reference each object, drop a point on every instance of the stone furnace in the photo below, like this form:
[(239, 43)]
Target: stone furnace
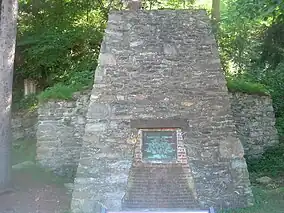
[(159, 130)]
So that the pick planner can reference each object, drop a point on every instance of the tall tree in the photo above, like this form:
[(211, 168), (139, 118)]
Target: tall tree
[(8, 30), (215, 11)]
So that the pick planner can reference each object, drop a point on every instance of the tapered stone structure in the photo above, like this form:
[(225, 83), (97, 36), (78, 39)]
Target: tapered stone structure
[(159, 130)]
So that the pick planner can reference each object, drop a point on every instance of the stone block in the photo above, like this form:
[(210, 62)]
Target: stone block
[(107, 59), (95, 127), (99, 111), (231, 148)]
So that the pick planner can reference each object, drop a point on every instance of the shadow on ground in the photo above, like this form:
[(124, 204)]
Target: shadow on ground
[(34, 190)]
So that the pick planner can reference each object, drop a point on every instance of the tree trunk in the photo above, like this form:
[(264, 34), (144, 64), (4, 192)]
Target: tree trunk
[(134, 5), (8, 29), (215, 11), (29, 87)]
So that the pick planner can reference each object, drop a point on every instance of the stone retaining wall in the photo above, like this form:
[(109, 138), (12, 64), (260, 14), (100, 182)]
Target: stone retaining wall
[(24, 125), (59, 136), (61, 128), (255, 123)]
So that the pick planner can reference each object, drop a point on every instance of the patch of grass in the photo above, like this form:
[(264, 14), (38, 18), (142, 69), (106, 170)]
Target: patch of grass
[(25, 150), (77, 81), (271, 201), (35, 174), (267, 199), (24, 103), (244, 86), (58, 92)]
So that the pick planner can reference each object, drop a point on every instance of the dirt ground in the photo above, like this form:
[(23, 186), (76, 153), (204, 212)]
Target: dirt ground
[(39, 191), (36, 191), (32, 193)]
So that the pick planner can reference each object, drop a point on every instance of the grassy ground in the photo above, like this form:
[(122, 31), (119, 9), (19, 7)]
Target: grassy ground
[(269, 198), (266, 201), (26, 151), (23, 151)]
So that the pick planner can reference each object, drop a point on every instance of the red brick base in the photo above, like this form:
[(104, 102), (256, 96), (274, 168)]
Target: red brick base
[(160, 185)]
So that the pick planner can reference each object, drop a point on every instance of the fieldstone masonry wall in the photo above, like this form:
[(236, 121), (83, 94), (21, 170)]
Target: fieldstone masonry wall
[(160, 65), (59, 136), (253, 116), (24, 125), (255, 123)]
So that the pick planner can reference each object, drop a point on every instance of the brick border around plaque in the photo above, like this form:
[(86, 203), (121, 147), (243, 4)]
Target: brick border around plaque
[(176, 174), (180, 152), (159, 123)]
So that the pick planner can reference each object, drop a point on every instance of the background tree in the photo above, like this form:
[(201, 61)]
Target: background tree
[(8, 26), (215, 12)]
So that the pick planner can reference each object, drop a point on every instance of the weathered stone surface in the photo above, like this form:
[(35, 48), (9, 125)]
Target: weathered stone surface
[(243, 110), (255, 123), (24, 125), (60, 130), (175, 74)]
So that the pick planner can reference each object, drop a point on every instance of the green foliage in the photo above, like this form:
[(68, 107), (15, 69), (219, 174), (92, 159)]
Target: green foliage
[(271, 164), (81, 80), (265, 201), (239, 33), (275, 79), (58, 44), (244, 86), (24, 103), (251, 48), (58, 91), (272, 9), (273, 45), (280, 127), (77, 81), (55, 55)]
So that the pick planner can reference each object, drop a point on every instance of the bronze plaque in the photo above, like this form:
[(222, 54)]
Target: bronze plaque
[(159, 146)]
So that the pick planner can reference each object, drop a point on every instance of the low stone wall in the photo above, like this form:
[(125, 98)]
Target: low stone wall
[(61, 126), (24, 125), (255, 123)]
